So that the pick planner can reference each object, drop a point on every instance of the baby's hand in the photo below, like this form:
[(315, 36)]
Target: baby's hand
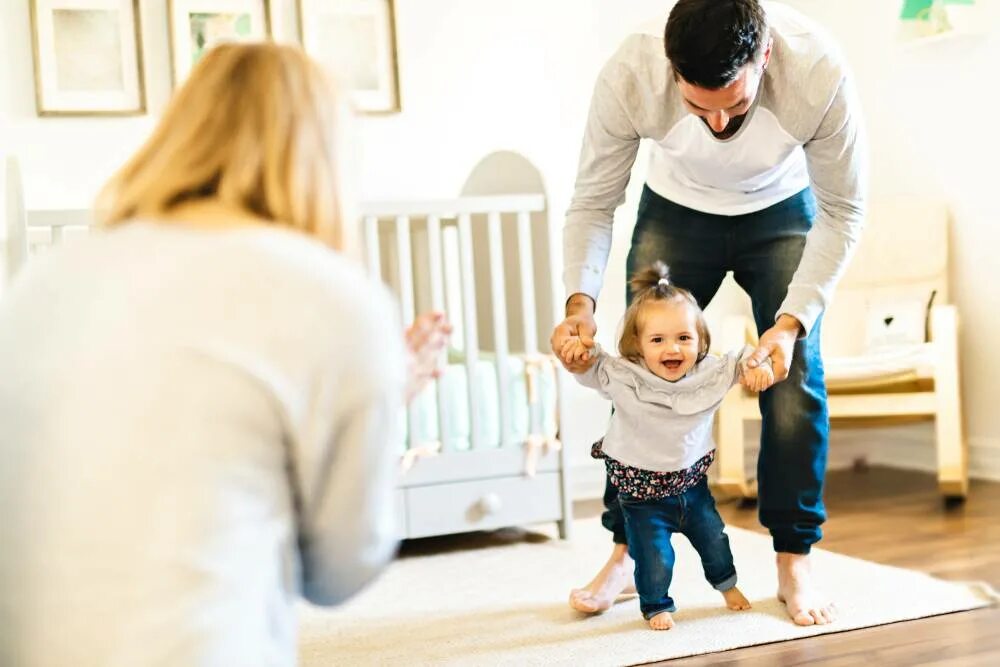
[(574, 350), (757, 379)]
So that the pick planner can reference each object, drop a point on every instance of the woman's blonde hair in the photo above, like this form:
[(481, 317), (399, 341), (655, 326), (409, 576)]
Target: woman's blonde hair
[(254, 127), (653, 285)]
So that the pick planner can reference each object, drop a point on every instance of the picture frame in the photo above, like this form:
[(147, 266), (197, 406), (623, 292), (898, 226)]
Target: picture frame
[(197, 25), (88, 57), (356, 40)]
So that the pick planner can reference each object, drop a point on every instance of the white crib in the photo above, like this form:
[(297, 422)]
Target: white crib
[(481, 449)]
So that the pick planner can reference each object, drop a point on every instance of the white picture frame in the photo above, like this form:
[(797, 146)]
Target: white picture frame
[(198, 25), (88, 57), (356, 40)]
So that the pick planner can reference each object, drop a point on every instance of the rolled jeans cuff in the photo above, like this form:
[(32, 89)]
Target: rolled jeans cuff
[(726, 585)]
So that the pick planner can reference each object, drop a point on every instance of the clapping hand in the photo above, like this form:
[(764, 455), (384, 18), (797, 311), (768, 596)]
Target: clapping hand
[(425, 339)]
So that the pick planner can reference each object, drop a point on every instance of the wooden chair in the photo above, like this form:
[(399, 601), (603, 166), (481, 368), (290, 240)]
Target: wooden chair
[(876, 366)]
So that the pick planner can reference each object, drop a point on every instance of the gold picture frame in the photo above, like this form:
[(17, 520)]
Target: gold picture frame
[(197, 25), (356, 39), (88, 57)]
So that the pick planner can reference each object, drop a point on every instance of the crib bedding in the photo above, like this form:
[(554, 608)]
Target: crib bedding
[(532, 404)]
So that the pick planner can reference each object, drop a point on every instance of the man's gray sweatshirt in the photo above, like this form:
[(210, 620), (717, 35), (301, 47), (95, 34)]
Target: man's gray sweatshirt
[(803, 129)]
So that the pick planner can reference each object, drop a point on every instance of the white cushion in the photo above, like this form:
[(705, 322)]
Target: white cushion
[(891, 323), (885, 364)]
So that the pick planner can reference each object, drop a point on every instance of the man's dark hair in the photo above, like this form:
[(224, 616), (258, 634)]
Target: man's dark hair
[(709, 41)]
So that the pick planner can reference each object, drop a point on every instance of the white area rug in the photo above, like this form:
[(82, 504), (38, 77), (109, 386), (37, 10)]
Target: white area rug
[(506, 605)]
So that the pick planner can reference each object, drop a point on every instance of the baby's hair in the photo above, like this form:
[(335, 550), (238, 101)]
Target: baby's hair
[(652, 285)]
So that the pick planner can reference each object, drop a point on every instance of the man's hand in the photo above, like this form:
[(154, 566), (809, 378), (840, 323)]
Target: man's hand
[(579, 323), (425, 339), (778, 342)]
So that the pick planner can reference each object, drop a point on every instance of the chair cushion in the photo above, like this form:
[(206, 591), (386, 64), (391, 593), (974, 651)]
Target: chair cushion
[(889, 364), (891, 323)]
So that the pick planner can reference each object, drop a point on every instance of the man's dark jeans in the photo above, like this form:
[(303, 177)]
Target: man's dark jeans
[(762, 250), (649, 525)]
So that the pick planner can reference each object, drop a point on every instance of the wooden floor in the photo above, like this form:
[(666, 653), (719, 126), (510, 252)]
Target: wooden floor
[(897, 518), (879, 514)]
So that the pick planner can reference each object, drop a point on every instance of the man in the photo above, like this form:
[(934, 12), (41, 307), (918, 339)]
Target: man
[(756, 167)]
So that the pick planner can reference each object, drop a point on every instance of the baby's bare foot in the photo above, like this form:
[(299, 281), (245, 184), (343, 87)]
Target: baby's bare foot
[(735, 600), (614, 579), (662, 621)]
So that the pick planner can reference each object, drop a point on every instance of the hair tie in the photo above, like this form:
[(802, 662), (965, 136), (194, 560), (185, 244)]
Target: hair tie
[(663, 281)]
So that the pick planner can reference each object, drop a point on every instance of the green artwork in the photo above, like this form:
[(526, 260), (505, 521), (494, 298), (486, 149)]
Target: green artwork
[(208, 29), (920, 10)]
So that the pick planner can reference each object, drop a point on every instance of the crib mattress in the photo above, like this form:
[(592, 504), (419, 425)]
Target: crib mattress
[(451, 390)]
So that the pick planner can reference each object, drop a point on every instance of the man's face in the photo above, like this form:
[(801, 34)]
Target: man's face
[(719, 107)]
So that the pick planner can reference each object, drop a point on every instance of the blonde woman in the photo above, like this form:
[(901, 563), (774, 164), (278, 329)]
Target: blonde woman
[(197, 403)]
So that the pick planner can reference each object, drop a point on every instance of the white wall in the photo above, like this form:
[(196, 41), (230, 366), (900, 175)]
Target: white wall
[(479, 76), (929, 109)]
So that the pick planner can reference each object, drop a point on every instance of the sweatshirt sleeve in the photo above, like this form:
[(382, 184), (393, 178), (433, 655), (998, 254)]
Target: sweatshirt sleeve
[(610, 145), (346, 458), (592, 377), (836, 157)]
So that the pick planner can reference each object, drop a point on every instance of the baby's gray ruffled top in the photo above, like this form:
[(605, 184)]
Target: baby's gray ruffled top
[(658, 424)]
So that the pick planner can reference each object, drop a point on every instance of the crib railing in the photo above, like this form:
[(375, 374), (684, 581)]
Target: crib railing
[(447, 261), (447, 265)]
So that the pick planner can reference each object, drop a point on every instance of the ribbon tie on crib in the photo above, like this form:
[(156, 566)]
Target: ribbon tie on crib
[(537, 445), (421, 451)]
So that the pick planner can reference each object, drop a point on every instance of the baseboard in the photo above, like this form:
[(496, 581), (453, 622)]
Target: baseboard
[(908, 447), (984, 458)]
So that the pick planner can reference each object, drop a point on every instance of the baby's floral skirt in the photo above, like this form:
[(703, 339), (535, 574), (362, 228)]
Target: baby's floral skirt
[(643, 484)]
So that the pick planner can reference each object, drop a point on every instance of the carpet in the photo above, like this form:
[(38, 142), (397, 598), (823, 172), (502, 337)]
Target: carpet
[(506, 605)]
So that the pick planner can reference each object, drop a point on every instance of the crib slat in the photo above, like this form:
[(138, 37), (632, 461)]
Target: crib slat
[(499, 298), (404, 265), (469, 321), (527, 264), (434, 257), (372, 247), (453, 285)]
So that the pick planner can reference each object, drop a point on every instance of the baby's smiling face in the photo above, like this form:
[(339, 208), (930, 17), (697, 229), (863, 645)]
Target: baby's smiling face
[(668, 338)]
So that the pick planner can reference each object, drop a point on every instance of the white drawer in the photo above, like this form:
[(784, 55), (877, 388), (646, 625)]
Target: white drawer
[(482, 505)]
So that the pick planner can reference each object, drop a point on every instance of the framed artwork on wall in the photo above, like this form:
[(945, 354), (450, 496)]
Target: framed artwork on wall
[(356, 39), (88, 57), (198, 25)]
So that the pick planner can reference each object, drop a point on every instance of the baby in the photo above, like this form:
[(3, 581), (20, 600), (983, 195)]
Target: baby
[(665, 389)]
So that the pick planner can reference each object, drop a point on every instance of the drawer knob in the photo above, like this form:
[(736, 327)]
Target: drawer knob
[(490, 503)]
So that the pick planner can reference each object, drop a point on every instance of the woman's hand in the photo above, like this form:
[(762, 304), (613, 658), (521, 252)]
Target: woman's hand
[(425, 339)]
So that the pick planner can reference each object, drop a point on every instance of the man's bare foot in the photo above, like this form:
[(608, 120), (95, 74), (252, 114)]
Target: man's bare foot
[(805, 603), (735, 600), (614, 579), (662, 621)]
